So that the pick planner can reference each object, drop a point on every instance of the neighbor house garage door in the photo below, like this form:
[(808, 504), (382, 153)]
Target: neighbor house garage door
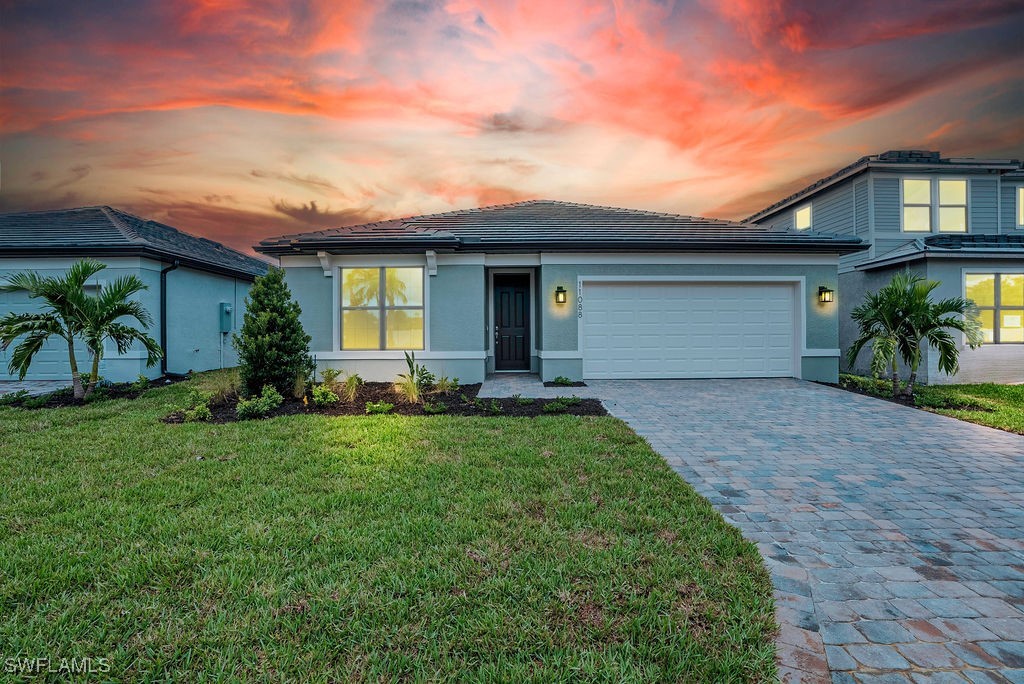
[(51, 363), (688, 330)]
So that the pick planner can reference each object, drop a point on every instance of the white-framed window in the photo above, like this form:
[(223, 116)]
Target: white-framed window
[(934, 204), (382, 308), (802, 217), (1000, 301), (1020, 207)]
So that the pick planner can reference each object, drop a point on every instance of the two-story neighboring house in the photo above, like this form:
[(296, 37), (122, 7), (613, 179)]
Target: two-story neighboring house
[(955, 220)]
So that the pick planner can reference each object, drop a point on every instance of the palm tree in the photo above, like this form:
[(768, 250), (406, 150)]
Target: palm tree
[(901, 317), (71, 314)]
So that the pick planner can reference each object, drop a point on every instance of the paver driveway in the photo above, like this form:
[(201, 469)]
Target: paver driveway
[(895, 537)]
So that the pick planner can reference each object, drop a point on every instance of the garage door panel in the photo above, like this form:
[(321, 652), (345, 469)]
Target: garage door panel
[(685, 329)]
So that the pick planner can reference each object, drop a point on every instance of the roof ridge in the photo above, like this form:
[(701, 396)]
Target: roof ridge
[(118, 222)]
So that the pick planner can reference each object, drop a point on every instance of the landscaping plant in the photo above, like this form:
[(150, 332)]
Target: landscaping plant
[(434, 408), (901, 317), (323, 395), (273, 349), (257, 407), (378, 407), (75, 316), (350, 387), (417, 382)]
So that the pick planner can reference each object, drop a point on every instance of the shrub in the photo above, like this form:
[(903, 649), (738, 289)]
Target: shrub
[(13, 398), (560, 404), (444, 385), (197, 406), (35, 402), (323, 395), (141, 383), (562, 381), (412, 385), (494, 408), (198, 414), (351, 387), (435, 408), (257, 407), (521, 400), (374, 407), (273, 349), (330, 376)]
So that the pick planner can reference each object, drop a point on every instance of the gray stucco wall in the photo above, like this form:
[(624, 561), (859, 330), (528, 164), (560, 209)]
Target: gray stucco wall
[(194, 340), (313, 292), (457, 309)]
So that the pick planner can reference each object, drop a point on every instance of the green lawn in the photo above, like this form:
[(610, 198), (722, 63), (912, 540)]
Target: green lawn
[(313, 548), (998, 406)]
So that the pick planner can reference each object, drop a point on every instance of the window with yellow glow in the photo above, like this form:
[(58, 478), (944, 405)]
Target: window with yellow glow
[(917, 205), (382, 308), (1000, 301), (802, 217), (1020, 207), (930, 205)]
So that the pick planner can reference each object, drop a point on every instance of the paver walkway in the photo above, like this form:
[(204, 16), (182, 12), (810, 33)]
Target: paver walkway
[(895, 537)]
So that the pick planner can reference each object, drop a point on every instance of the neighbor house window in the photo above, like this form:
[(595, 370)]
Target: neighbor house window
[(1020, 207), (802, 217), (382, 308), (930, 205), (1000, 301)]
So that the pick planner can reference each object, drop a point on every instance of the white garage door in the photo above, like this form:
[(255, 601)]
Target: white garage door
[(51, 363), (688, 330)]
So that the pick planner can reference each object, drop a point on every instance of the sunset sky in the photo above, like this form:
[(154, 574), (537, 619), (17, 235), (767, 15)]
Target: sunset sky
[(240, 120)]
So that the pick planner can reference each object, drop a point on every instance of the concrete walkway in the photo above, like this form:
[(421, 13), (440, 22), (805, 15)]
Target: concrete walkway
[(895, 537), (33, 387)]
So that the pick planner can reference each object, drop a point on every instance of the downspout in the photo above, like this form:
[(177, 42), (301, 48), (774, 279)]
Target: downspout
[(163, 314)]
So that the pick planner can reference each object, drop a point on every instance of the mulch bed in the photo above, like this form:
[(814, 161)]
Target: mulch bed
[(578, 383), (902, 400), (461, 402), (66, 397)]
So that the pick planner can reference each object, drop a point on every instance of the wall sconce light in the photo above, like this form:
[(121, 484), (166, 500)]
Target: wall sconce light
[(825, 295), (561, 296)]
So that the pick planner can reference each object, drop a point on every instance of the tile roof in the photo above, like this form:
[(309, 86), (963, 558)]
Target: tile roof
[(103, 231), (951, 245), (894, 159), (547, 225)]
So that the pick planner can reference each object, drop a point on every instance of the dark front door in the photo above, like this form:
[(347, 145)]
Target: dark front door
[(512, 322)]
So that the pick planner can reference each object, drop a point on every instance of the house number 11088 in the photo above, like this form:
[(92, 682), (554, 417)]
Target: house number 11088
[(579, 306)]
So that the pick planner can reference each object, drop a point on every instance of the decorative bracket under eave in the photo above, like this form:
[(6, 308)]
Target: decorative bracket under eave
[(325, 263), (431, 262)]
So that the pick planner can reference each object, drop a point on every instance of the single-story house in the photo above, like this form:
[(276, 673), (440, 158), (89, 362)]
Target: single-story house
[(572, 290), (196, 295), (956, 220)]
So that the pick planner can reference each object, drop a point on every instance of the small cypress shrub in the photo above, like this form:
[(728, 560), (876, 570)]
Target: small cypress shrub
[(273, 349)]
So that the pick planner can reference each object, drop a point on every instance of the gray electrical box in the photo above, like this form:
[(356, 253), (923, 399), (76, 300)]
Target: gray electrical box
[(226, 317)]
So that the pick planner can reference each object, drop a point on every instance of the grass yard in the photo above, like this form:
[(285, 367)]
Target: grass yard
[(998, 406), (318, 548)]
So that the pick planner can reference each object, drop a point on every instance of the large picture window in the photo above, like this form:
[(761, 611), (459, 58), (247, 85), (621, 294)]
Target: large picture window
[(930, 205), (382, 308), (1000, 301)]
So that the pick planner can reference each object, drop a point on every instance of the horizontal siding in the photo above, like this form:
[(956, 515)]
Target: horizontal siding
[(1008, 205), (887, 206), (983, 205), (832, 211), (860, 220)]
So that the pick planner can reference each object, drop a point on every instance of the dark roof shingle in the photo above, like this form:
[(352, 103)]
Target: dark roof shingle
[(101, 231), (547, 225)]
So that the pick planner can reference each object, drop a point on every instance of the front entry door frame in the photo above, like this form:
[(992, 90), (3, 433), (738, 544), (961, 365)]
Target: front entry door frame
[(531, 298)]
